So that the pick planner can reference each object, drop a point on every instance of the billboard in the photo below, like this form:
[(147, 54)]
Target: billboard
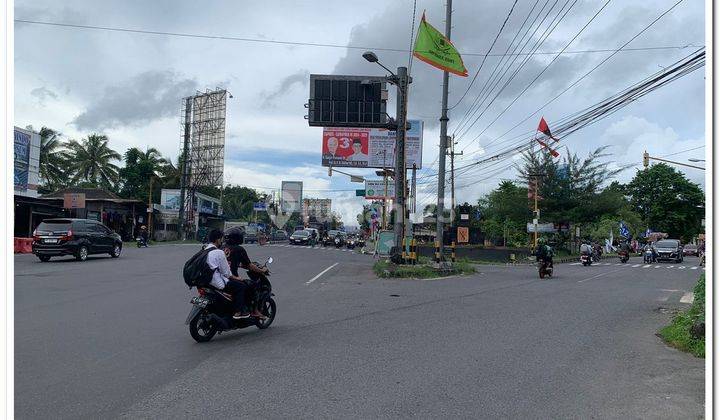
[(170, 199), (375, 189), (370, 147), (74, 201), (347, 101), (291, 196), (22, 160)]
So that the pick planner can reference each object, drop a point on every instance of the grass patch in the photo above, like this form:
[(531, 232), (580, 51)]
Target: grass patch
[(386, 269), (679, 333)]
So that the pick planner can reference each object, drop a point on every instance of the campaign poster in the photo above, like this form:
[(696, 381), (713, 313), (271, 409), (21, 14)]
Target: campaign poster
[(345, 147)]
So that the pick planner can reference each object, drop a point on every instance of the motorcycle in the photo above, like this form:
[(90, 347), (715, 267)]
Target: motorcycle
[(141, 242), (624, 256), (586, 259), (212, 310), (351, 243), (338, 242), (545, 268), (648, 256)]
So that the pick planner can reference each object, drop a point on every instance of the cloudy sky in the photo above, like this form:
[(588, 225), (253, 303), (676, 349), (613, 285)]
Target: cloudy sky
[(129, 85)]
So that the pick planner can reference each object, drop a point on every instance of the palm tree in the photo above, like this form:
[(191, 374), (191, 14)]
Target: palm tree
[(91, 161), (52, 160)]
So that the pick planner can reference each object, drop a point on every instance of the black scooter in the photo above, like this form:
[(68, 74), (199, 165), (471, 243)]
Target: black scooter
[(141, 242), (212, 310)]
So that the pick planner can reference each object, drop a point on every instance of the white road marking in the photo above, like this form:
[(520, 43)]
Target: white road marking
[(687, 298), (682, 267), (693, 268), (646, 266), (598, 275), (618, 264), (657, 266), (671, 266), (575, 263), (321, 273), (636, 266)]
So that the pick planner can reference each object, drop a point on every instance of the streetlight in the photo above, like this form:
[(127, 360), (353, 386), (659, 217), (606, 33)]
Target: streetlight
[(696, 160), (401, 80)]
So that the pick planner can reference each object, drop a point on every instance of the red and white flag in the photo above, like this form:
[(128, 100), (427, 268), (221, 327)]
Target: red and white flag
[(543, 128)]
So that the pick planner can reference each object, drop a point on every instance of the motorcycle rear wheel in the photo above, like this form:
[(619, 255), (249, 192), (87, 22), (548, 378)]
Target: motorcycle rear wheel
[(202, 331)]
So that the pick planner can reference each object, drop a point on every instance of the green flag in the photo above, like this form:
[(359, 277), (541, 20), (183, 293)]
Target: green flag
[(433, 48)]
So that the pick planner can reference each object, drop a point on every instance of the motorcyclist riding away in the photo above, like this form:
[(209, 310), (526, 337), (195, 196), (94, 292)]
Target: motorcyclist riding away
[(144, 234), (544, 252), (238, 257)]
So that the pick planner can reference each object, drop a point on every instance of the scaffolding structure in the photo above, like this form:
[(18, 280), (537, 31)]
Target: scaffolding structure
[(202, 150)]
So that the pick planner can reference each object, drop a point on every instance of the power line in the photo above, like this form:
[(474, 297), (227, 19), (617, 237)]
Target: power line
[(486, 56), (589, 72), (538, 75), (324, 45), (683, 151)]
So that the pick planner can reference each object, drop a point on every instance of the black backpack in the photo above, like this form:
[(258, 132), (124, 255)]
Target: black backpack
[(197, 272)]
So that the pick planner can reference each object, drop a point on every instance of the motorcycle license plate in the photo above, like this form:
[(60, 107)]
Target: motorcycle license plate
[(201, 302), (50, 241)]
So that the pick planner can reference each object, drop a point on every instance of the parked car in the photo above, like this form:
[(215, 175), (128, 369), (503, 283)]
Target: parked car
[(251, 235), (691, 249), (669, 249), (300, 237), (76, 237), (279, 235)]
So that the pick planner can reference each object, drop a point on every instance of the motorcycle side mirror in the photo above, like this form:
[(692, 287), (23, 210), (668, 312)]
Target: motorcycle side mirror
[(269, 260)]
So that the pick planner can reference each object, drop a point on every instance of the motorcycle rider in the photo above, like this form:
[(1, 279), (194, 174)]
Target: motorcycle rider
[(238, 257), (223, 278), (544, 252), (144, 234)]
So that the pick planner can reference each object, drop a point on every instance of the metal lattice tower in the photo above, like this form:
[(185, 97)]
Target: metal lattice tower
[(204, 147)]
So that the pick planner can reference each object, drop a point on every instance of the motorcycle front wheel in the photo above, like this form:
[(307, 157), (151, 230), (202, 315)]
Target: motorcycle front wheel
[(201, 330), (268, 308)]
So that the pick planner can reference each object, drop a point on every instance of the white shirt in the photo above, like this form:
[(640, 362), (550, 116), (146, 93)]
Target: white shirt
[(217, 261), (358, 157)]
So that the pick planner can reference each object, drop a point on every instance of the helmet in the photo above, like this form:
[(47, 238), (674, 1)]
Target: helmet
[(234, 236), (143, 227), (542, 241)]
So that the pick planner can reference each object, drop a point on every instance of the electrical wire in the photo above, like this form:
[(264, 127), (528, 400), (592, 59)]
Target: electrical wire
[(317, 44)]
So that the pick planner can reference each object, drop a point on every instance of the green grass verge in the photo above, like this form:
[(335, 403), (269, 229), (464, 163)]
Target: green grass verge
[(386, 269), (678, 334)]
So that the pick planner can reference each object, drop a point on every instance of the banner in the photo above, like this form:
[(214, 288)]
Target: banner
[(22, 160), (74, 200), (170, 199), (291, 196), (370, 147), (375, 189)]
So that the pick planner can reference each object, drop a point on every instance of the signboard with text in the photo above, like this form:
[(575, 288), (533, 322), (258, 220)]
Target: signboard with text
[(370, 147), (291, 196), (375, 189), (74, 201)]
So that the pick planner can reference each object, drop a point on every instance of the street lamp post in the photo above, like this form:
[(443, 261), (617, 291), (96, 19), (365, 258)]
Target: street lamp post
[(401, 81)]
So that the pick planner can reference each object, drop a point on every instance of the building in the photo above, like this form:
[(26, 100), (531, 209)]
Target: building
[(27, 162), (316, 210), (207, 211), (123, 215)]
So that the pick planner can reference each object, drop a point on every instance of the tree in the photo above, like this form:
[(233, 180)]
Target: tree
[(505, 212), (238, 202), (52, 160), (140, 168), (90, 160), (667, 201)]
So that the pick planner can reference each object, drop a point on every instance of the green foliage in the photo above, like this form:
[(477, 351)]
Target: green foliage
[(678, 332), (386, 269), (53, 162), (667, 201), (91, 161), (140, 168), (238, 202), (505, 212)]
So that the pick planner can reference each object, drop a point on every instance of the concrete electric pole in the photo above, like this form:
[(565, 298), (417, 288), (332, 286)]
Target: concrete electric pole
[(443, 140)]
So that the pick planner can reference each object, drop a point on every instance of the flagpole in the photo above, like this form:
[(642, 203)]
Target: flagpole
[(443, 143)]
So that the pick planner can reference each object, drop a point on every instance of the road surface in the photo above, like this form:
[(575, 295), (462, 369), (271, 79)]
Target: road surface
[(106, 339)]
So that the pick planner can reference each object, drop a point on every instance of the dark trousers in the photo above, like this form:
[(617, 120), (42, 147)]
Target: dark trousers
[(239, 292)]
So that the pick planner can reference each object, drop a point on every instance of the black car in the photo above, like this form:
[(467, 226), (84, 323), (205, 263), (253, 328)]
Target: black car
[(76, 237), (669, 249), (300, 237), (279, 235)]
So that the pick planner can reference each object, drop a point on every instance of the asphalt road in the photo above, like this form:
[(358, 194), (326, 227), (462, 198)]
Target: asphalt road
[(106, 339)]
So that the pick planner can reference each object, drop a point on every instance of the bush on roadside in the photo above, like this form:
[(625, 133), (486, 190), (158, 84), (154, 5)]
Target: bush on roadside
[(687, 330), (386, 269)]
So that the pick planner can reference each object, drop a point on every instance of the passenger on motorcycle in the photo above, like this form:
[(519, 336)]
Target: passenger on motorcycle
[(223, 278), (586, 249), (144, 234), (238, 257)]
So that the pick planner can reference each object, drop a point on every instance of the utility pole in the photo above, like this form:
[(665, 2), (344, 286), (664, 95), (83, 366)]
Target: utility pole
[(185, 168), (385, 181), (452, 180), (402, 89), (414, 188), (443, 138), (150, 209)]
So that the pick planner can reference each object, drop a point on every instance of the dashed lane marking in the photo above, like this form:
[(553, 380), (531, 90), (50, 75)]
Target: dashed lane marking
[(646, 266), (321, 273), (693, 268), (636, 266), (687, 298)]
